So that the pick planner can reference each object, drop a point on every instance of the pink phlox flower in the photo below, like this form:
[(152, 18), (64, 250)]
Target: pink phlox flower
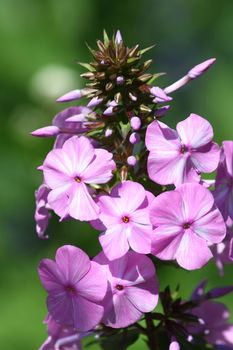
[(63, 127), (215, 326), (61, 337), (186, 222), (75, 287), (223, 252), (42, 214), (178, 156), (223, 192), (124, 217), (70, 171), (132, 288)]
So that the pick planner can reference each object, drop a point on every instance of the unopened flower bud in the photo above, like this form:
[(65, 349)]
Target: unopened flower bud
[(47, 131), (135, 123), (201, 68), (134, 138), (75, 95), (160, 95), (174, 345), (131, 160), (108, 132), (95, 101), (120, 80), (118, 37), (160, 112), (109, 111)]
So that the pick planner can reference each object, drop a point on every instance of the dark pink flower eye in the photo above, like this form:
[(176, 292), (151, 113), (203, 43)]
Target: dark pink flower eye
[(119, 287), (125, 219)]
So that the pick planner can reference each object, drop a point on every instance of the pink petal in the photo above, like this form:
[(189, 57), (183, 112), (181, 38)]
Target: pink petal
[(193, 252), (197, 200), (140, 239), (86, 313), (60, 306), (93, 285), (159, 137), (131, 194), (57, 168), (58, 200), (73, 263), (167, 209), (211, 227), (138, 268), (114, 242), (82, 206), (206, 159), (166, 242), (228, 151), (80, 152), (111, 211), (100, 170), (195, 131), (143, 296), (121, 313), (166, 170), (50, 276)]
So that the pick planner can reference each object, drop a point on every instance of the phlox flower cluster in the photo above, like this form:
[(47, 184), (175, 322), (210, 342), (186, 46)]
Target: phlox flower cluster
[(140, 185)]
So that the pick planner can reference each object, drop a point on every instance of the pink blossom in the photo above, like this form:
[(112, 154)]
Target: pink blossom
[(61, 337), (42, 214), (224, 182), (63, 128), (216, 327), (69, 171), (75, 287), (178, 156), (125, 218), (223, 252), (187, 222), (132, 288)]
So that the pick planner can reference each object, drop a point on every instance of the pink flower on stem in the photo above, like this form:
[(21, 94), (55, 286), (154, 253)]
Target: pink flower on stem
[(61, 337), (132, 288), (42, 214), (178, 156), (69, 171), (223, 252), (187, 222), (216, 327), (75, 287), (125, 218), (224, 182), (63, 127)]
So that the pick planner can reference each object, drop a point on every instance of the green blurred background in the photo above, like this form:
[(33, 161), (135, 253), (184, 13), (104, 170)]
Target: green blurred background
[(40, 41)]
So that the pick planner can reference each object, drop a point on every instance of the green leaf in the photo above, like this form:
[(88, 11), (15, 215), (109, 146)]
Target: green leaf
[(155, 76), (87, 66), (106, 38), (146, 49)]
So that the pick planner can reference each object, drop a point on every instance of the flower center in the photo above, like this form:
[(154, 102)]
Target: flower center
[(70, 289), (78, 179), (119, 287), (125, 219), (183, 149), (186, 225)]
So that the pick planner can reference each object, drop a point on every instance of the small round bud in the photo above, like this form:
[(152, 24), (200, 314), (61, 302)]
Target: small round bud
[(131, 160), (108, 132), (135, 123), (134, 138), (120, 80)]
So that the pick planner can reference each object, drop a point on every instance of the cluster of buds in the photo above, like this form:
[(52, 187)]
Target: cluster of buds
[(139, 182)]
